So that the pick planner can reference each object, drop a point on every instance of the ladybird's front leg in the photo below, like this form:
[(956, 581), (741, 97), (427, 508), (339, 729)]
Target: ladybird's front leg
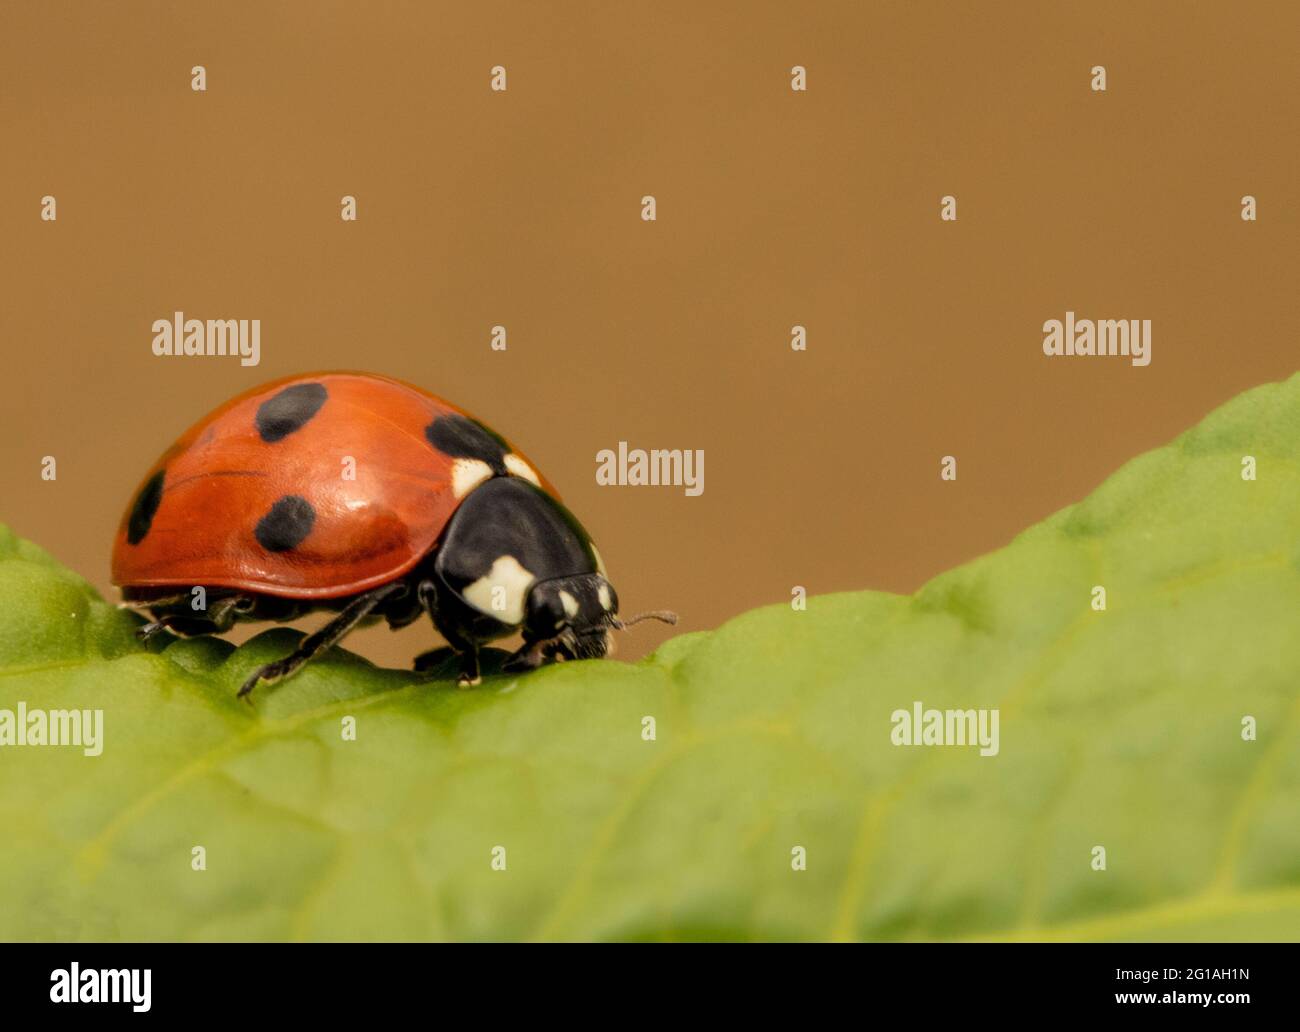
[(427, 595), (529, 656), (470, 673)]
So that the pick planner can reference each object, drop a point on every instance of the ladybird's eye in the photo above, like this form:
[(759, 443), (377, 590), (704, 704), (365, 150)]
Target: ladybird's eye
[(555, 610), (552, 613)]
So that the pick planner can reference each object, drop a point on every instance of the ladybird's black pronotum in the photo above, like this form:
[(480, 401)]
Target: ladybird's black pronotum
[(440, 515)]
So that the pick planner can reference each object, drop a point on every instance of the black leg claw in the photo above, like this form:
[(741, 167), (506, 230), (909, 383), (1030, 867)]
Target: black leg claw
[(269, 673), (469, 671)]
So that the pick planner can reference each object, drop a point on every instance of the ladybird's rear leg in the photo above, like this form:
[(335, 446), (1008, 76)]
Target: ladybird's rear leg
[(174, 612), (147, 632), (321, 641), (153, 603), (225, 611)]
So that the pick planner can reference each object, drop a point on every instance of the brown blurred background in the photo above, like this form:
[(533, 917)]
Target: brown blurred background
[(775, 208)]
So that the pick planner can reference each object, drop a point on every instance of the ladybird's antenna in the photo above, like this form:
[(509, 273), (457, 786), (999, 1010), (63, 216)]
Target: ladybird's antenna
[(662, 615)]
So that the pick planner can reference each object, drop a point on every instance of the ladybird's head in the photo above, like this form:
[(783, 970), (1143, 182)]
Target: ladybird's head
[(513, 558), (572, 616)]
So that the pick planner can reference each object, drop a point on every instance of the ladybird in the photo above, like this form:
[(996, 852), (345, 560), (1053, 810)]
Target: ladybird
[(372, 499)]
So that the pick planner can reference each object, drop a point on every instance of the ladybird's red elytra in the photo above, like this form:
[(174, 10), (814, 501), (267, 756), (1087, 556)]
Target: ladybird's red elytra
[(441, 515), (194, 519)]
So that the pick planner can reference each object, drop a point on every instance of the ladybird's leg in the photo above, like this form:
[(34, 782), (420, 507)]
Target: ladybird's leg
[(151, 630), (166, 622), (153, 603), (321, 641), (427, 593), (470, 674), (411, 608), (221, 615), (529, 656), (225, 611), (467, 652), (147, 632)]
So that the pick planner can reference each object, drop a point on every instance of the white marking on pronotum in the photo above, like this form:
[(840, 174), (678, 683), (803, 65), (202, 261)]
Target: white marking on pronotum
[(467, 474), (520, 468), (602, 593), (507, 574), (570, 604)]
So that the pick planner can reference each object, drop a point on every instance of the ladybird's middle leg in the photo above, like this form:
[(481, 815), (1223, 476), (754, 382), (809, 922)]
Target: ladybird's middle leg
[(321, 641)]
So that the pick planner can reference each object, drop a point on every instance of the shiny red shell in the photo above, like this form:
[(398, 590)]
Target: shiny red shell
[(221, 477)]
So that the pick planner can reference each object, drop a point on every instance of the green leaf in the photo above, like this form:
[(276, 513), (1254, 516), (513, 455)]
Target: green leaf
[(1120, 729)]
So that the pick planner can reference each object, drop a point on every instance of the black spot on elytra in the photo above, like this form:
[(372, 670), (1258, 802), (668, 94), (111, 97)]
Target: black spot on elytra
[(463, 438), (286, 524), (144, 507), (289, 410)]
